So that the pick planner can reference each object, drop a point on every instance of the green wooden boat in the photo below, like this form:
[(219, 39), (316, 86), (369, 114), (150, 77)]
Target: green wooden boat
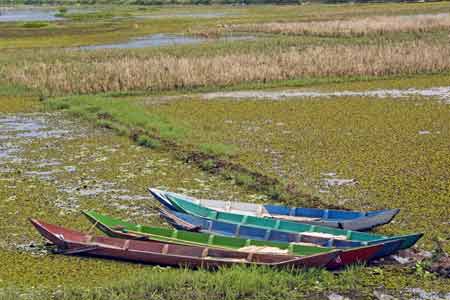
[(118, 228), (287, 226)]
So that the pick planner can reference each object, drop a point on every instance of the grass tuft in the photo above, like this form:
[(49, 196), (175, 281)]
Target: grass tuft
[(218, 149), (146, 141), (105, 124), (35, 24), (244, 179), (208, 164)]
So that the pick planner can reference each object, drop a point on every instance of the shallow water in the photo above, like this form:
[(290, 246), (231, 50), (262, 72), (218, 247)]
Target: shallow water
[(338, 182), (13, 14), (158, 40), (28, 14), (17, 131), (442, 93), (421, 294)]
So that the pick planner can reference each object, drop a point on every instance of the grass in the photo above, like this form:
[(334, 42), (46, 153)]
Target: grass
[(19, 104), (107, 111), (208, 164), (225, 283), (166, 72), (123, 25), (244, 179), (374, 25), (62, 71), (218, 149), (89, 16), (146, 141), (35, 24)]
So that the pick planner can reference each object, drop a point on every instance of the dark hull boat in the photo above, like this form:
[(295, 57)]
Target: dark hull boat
[(118, 228), (71, 242), (193, 223), (352, 220)]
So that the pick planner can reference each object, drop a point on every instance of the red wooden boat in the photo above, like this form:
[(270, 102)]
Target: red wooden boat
[(71, 242)]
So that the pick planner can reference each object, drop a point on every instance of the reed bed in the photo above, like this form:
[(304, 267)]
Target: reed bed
[(376, 25), (166, 72)]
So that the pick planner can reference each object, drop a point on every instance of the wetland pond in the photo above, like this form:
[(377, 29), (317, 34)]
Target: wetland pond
[(32, 14), (161, 39), (27, 15)]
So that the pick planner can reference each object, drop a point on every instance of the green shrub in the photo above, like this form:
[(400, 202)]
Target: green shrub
[(121, 130), (208, 164), (57, 105), (92, 109), (90, 16), (36, 24), (146, 141), (105, 124)]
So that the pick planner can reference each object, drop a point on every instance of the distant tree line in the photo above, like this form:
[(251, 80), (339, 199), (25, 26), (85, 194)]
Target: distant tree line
[(199, 2)]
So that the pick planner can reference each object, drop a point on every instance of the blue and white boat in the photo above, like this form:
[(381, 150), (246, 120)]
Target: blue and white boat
[(351, 220)]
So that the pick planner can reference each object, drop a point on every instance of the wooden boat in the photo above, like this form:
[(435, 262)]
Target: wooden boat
[(258, 228), (197, 224), (352, 220), (118, 228), (71, 242)]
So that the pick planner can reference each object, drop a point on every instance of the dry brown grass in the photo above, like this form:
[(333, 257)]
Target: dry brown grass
[(164, 72), (354, 27)]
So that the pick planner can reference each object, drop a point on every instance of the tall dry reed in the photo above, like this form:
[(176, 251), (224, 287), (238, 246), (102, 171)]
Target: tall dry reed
[(353, 27), (165, 72)]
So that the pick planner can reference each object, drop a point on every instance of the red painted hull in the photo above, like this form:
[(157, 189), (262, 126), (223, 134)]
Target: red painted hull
[(345, 258), (73, 242), (354, 255)]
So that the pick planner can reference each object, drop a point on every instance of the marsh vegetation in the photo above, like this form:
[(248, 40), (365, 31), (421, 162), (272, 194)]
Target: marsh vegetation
[(169, 72), (374, 25)]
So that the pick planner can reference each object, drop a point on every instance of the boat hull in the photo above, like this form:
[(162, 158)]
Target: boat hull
[(258, 225), (351, 220), (189, 222), (76, 243), (348, 256)]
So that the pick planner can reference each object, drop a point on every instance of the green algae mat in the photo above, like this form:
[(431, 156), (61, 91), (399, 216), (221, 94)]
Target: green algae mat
[(393, 150)]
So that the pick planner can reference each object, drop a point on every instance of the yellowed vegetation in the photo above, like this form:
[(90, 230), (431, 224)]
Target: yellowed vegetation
[(351, 27), (163, 72), (19, 104)]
